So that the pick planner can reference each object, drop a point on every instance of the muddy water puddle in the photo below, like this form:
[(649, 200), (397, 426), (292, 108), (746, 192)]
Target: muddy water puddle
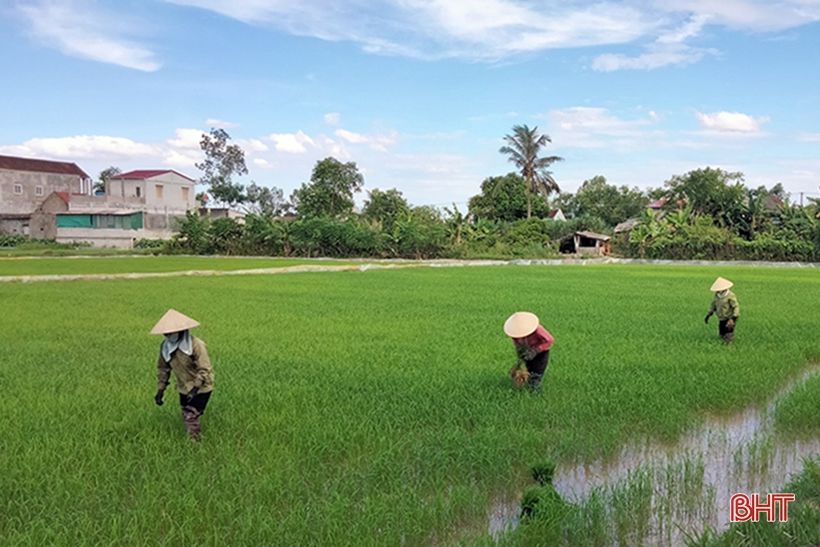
[(689, 482)]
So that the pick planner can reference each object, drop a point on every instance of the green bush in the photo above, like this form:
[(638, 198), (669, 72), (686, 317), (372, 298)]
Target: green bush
[(782, 247), (12, 240), (420, 234), (224, 236), (708, 242), (150, 244), (322, 236), (263, 235), (23, 243), (193, 235)]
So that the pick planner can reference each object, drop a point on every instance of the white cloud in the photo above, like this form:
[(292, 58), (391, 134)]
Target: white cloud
[(809, 137), (81, 147), (263, 163), (669, 48), (480, 29), (332, 118), (610, 62), (688, 29), (730, 122), (187, 139), (182, 159), (77, 29), (251, 146), (183, 151), (380, 142), (292, 143), (350, 136), (494, 29), (335, 149), (592, 127), (180, 152), (221, 124), (752, 15)]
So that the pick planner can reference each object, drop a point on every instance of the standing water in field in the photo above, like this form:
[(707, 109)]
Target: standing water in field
[(671, 491)]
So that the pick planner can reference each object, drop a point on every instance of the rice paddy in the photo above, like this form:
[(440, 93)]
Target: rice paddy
[(90, 265), (374, 406)]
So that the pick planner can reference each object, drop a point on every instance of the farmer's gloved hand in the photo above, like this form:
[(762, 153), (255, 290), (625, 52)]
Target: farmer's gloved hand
[(191, 394), (730, 323), (158, 398), (706, 319)]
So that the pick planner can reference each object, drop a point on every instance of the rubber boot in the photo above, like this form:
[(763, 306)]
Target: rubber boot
[(191, 417)]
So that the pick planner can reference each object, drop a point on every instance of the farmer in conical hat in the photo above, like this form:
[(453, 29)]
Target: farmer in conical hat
[(187, 357), (726, 307), (532, 344)]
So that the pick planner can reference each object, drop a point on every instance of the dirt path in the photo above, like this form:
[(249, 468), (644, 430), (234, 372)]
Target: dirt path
[(188, 273)]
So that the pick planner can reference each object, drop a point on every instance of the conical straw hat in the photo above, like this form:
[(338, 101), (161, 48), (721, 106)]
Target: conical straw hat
[(521, 324), (173, 321), (721, 284)]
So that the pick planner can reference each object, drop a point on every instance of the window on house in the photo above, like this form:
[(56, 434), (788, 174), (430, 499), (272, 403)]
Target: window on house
[(38, 191), (186, 192), (18, 189), (138, 191), (159, 189)]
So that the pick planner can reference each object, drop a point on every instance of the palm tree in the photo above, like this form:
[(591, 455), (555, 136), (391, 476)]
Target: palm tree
[(523, 148)]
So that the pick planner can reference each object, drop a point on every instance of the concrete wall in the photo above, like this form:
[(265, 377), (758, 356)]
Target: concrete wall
[(11, 203), (44, 218), (79, 203), (126, 189), (170, 191), (15, 226), (159, 221), (120, 239), (155, 226)]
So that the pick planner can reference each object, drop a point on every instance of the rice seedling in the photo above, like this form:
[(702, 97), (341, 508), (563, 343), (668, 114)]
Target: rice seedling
[(143, 264), (364, 406)]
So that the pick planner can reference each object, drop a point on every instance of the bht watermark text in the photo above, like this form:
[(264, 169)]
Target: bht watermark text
[(744, 508)]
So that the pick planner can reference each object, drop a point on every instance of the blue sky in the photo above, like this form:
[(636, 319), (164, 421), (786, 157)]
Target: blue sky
[(419, 92)]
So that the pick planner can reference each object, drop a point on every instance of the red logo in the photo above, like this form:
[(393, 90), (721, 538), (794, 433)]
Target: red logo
[(744, 508)]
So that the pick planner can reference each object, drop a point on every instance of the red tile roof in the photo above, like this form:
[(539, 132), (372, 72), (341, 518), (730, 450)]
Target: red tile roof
[(41, 166), (141, 174)]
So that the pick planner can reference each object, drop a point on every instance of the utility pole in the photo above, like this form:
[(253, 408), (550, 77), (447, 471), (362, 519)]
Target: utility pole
[(801, 199)]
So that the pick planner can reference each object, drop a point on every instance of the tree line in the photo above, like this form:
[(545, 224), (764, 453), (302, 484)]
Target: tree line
[(706, 213)]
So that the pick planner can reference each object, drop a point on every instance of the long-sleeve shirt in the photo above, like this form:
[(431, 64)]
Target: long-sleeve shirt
[(530, 346), (190, 371), (726, 307)]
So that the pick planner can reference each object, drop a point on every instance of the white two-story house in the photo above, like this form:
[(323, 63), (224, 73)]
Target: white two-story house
[(158, 190)]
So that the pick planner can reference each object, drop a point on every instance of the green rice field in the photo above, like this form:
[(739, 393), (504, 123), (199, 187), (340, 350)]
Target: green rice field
[(144, 264), (362, 407)]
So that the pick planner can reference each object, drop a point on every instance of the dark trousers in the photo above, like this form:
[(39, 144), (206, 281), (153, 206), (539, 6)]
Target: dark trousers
[(192, 410), (536, 367), (199, 402), (725, 331)]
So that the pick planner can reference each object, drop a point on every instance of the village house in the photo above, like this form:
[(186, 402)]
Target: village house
[(142, 204), (52, 200), (557, 215), (587, 244), (158, 190), (26, 182)]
